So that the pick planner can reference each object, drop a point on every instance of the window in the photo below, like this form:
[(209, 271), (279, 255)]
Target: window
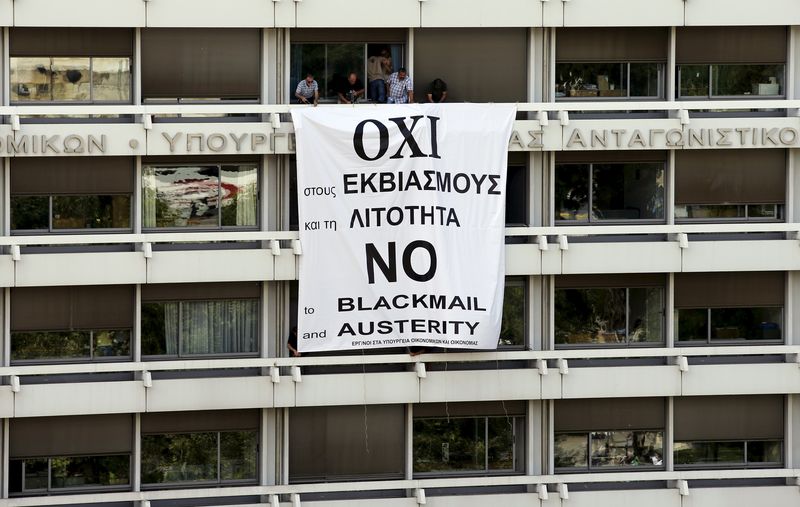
[(729, 308), (609, 449), (720, 81), (88, 323), (593, 435), (70, 454), (191, 328), (207, 63), (619, 192), (70, 65), (74, 194), (607, 315), (729, 431), (714, 63), (512, 331), (346, 443), (331, 63), (200, 457), (200, 197), (71, 79), (610, 63), (57, 474), (730, 185), (609, 80), (482, 444)]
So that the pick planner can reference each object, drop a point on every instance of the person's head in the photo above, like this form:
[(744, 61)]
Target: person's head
[(385, 53), (309, 78), (294, 328), (352, 78), (401, 73), (438, 83)]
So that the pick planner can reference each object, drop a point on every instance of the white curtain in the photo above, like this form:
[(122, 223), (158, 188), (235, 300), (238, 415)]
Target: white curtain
[(240, 189), (219, 327), (171, 327), (149, 196)]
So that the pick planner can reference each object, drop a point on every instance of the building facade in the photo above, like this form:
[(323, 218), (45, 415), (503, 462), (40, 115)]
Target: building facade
[(149, 239)]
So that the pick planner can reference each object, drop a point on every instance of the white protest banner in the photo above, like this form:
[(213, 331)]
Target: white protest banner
[(402, 216)]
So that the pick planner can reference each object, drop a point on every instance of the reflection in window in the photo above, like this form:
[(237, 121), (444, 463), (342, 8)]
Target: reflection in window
[(70, 212), (203, 457), (730, 80), (467, 444), (619, 192), (42, 475), (331, 64), (617, 316), (190, 328), (733, 212), (609, 80), (70, 79), (609, 449), (70, 345), (203, 197), (713, 325), (738, 453)]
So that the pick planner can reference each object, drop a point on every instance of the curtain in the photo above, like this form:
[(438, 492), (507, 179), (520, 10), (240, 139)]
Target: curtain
[(171, 327), (219, 327), (239, 195), (149, 197)]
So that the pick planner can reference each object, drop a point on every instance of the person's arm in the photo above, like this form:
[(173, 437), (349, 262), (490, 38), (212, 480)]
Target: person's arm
[(444, 96), (298, 95), (294, 351), (316, 96), (360, 92), (410, 88), (342, 98), (430, 97)]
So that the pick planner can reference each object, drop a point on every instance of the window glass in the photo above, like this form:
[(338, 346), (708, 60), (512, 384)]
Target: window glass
[(91, 211), (747, 80), (111, 79), (710, 211), (709, 453), (329, 63), (76, 472), (30, 212), (764, 451), (239, 195), (112, 343), (30, 79), (572, 192), (571, 450), (746, 324), (238, 455), (35, 474), (512, 331), (457, 444), (71, 79), (692, 324), (646, 318), (626, 448), (767, 211), (633, 191), (516, 196), (591, 80), (179, 457), (500, 443), (50, 345), (645, 79), (694, 80), (189, 328), (584, 316)]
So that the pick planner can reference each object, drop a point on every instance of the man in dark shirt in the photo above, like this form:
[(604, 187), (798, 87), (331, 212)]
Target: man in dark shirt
[(292, 343), (351, 90), (437, 91)]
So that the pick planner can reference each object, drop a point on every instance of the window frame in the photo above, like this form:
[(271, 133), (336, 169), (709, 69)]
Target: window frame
[(219, 227), (219, 481), (779, 214), (711, 342), (628, 97), (50, 490), (627, 343), (180, 355), (600, 469), (91, 83), (517, 440), (92, 358), (711, 96), (98, 230), (590, 202), (727, 466)]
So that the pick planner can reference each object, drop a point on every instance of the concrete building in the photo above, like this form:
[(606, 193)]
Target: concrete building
[(650, 352)]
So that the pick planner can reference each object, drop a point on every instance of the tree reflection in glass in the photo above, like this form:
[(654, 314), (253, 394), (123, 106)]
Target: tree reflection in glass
[(179, 457), (590, 316)]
